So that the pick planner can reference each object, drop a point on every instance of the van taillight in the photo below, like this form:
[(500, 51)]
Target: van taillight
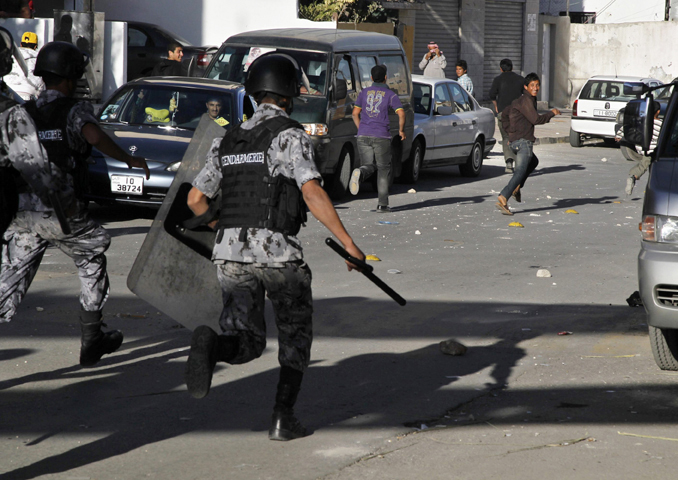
[(574, 108), (203, 60)]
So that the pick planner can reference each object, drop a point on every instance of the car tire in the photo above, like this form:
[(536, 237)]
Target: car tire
[(631, 154), (664, 343), (575, 139), (412, 167), (338, 183), (474, 163)]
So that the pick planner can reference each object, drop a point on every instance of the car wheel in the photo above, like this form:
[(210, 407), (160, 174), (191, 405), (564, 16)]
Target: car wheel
[(631, 154), (474, 163), (338, 184), (664, 343), (412, 167), (575, 139)]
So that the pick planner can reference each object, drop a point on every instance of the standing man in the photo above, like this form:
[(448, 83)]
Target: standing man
[(171, 66), (374, 136), (519, 120), (266, 174), (463, 78), (27, 87), (51, 207), (433, 64), (506, 87)]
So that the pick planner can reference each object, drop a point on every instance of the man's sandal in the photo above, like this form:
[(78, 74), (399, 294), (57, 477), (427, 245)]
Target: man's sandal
[(504, 208)]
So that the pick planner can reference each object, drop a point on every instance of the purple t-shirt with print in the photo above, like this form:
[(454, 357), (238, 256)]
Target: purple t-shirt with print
[(375, 102)]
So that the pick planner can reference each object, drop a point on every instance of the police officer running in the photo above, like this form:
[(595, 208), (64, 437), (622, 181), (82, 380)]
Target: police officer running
[(51, 187), (266, 174)]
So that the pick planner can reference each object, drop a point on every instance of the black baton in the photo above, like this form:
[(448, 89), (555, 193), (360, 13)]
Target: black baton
[(367, 271)]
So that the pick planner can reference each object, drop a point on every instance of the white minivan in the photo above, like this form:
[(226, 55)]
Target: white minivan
[(594, 112)]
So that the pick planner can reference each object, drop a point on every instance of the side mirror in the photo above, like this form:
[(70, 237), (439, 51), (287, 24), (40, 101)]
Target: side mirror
[(638, 122), (443, 110), (340, 89), (635, 89)]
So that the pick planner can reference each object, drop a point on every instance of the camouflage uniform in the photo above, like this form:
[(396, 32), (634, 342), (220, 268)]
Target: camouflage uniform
[(267, 261), (36, 225)]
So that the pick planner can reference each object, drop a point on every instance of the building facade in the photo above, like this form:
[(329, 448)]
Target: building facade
[(606, 11)]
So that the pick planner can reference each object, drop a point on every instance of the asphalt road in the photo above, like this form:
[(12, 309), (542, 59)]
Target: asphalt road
[(382, 401)]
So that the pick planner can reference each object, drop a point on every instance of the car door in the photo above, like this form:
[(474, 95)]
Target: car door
[(445, 125), (467, 124)]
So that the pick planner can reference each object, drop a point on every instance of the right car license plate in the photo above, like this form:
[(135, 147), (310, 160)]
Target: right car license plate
[(604, 113)]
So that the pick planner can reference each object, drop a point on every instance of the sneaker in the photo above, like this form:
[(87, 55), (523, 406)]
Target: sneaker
[(630, 183), (383, 209), (354, 183), (201, 361)]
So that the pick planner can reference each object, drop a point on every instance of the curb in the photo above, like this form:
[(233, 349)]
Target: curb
[(546, 140)]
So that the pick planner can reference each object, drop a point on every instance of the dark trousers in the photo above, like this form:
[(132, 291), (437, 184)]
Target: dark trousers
[(526, 162)]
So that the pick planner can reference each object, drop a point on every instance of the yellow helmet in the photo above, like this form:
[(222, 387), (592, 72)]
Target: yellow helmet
[(29, 37)]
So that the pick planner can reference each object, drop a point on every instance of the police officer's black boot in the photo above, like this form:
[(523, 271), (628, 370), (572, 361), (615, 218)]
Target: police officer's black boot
[(95, 343), (206, 349), (285, 425)]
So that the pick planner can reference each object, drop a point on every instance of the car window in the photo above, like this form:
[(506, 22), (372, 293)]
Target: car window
[(459, 99), (442, 98), (396, 73), (608, 91), (365, 65), (137, 38), (344, 72), (233, 61), (167, 106), (248, 108), (422, 98)]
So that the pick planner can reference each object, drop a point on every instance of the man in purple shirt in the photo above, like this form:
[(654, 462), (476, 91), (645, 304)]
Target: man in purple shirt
[(370, 115)]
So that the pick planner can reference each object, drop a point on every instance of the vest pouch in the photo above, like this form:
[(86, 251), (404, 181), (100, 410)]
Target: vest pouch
[(290, 210)]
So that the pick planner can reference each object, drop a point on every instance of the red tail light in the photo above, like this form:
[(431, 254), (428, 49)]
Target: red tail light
[(574, 108), (203, 60)]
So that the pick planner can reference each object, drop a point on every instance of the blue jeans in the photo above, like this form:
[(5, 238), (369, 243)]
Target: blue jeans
[(375, 156), (526, 162)]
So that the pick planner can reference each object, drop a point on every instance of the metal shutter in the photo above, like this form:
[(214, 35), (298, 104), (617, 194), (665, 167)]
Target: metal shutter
[(438, 22), (503, 38)]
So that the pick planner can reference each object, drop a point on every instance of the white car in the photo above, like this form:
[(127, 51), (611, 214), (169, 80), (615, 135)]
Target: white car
[(594, 112), (450, 128)]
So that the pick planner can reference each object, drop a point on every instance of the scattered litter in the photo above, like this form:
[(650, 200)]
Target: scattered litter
[(564, 333), (603, 159), (373, 258), (417, 232), (534, 215), (610, 356), (516, 224), (543, 273), (393, 270), (634, 300), (616, 201), (572, 211), (384, 222), (647, 436), (448, 240), (435, 228), (411, 190), (548, 196), (452, 347), (453, 376), (40, 309)]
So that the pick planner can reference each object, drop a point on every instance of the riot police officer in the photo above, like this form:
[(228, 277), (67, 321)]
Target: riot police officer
[(266, 174), (67, 129)]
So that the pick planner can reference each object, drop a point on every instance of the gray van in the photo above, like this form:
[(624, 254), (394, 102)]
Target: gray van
[(337, 64)]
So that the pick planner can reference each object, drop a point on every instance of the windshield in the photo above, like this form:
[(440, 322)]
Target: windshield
[(233, 61), (167, 106), (605, 90)]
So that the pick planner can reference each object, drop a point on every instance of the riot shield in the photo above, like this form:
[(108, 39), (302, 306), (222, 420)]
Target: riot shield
[(173, 271)]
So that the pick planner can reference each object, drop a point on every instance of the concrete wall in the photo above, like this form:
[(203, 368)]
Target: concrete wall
[(531, 37), (621, 11), (472, 41), (208, 22), (622, 49)]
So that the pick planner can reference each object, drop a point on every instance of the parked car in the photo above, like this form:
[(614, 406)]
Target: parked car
[(450, 128), (594, 112), (658, 257), (336, 65), (147, 46), (155, 118)]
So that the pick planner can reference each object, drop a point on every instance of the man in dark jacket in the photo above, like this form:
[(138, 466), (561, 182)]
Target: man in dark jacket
[(519, 120), (505, 88), (171, 66)]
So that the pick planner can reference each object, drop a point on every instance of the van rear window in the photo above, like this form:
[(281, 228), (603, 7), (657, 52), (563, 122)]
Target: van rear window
[(608, 91)]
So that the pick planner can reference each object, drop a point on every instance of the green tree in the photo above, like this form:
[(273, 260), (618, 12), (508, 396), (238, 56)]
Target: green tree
[(347, 10)]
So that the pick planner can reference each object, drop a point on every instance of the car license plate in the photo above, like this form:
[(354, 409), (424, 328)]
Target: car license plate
[(604, 113), (127, 184)]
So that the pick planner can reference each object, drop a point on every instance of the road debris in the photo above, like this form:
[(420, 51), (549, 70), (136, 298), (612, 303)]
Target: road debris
[(384, 222), (564, 333), (394, 271), (611, 356), (543, 273), (417, 232), (603, 159), (516, 224), (572, 211), (647, 436), (40, 309), (411, 190), (634, 300), (452, 347), (373, 258)]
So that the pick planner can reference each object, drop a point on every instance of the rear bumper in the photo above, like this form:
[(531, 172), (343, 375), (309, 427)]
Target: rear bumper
[(603, 127)]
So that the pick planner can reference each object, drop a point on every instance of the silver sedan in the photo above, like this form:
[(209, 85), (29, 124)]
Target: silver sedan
[(450, 128)]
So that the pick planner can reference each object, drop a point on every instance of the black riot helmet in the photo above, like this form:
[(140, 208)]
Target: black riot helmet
[(6, 50), (62, 59), (273, 72)]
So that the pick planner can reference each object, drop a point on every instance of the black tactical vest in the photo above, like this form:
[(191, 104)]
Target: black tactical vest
[(250, 197), (51, 121), (9, 181)]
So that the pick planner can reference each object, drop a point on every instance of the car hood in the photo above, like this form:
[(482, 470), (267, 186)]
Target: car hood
[(153, 143)]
